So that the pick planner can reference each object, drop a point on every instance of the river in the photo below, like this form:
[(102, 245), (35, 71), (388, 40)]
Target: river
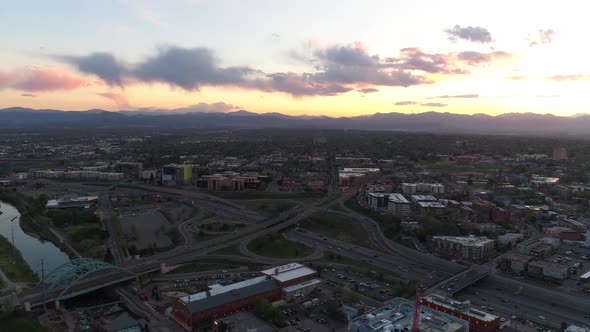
[(31, 248)]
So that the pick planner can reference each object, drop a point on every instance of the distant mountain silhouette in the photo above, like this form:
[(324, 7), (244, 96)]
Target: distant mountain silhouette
[(434, 122)]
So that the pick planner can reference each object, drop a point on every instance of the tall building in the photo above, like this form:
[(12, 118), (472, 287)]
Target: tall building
[(559, 153), (398, 205), (467, 247)]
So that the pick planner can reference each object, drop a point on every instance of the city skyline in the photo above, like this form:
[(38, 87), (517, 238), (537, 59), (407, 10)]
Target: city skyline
[(334, 58)]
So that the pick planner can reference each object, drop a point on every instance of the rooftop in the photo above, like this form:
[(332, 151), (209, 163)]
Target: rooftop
[(464, 307), (465, 240), (245, 322), (397, 314), (288, 272), (423, 198), (302, 285), (397, 198)]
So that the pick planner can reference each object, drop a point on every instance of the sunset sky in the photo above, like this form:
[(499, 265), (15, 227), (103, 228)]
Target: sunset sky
[(336, 58)]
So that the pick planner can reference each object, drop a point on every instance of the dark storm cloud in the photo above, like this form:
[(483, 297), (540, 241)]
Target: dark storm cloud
[(103, 65), (469, 33)]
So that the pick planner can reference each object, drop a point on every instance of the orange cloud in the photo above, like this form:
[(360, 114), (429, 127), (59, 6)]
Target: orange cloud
[(119, 98), (40, 79)]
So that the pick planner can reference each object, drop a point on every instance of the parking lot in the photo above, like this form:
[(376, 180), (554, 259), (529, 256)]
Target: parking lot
[(362, 283)]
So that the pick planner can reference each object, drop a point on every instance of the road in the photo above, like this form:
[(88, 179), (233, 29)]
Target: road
[(506, 295), (106, 213)]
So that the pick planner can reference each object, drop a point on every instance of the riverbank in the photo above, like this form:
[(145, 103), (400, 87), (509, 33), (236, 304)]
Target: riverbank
[(13, 264)]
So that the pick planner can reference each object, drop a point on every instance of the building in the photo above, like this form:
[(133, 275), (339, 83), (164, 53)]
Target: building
[(479, 321), (232, 181), (300, 290), (72, 202), (430, 209), (509, 239), (472, 248), (559, 153), (353, 162), (290, 274), (515, 262), (535, 246), (565, 233), (575, 328), (351, 177), (424, 188), (175, 174), (397, 315), (548, 271), (378, 200), (243, 322), (398, 205), (123, 323), (197, 310)]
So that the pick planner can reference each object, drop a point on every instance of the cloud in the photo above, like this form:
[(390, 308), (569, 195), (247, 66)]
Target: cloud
[(405, 103), (517, 77), (39, 79), (415, 59), (433, 104), (30, 95), (119, 98), (103, 65), (469, 33), (368, 90), (573, 77), (542, 37), (471, 95), (475, 58)]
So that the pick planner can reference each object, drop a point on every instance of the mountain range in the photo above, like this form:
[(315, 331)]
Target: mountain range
[(434, 122)]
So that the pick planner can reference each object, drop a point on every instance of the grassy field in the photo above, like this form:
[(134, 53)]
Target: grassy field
[(267, 207), (302, 197), (337, 226), (87, 239), (276, 246), (232, 251), (21, 322), (17, 271)]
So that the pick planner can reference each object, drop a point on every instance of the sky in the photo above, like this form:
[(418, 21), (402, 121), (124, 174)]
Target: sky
[(322, 57)]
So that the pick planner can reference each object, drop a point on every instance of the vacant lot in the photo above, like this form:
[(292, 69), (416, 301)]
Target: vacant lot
[(337, 226), (146, 230), (276, 246), (87, 239)]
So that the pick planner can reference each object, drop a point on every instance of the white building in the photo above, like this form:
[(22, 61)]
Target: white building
[(424, 188), (398, 205)]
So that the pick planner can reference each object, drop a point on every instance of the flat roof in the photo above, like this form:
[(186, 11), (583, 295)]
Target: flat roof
[(464, 307), (211, 299), (302, 285), (246, 322), (431, 205), (466, 240), (288, 272), (397, 198), (425, 198), (585, 275)]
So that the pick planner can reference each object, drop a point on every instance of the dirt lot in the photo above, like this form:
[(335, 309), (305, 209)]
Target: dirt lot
[(146, 230)]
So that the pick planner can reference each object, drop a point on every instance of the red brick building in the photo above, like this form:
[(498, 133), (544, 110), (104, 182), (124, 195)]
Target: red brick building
[(479, 321)]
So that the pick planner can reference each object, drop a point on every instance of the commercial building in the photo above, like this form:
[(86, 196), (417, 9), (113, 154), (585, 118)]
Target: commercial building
[(232, 181), (290, 274), (72, 202), (175, 174), (398, 205), (201, 309), (79, 175), (300, 290), (193, 311), (472, 248), (353, 161), (397, 316), (538, 247), (479, 321), (130, 169), (424, 188), (515, 262), (565, 233), (350, 177), (548, 271)]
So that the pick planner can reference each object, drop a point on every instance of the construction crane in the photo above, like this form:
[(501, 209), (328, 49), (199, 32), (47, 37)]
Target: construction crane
[(416, 315)]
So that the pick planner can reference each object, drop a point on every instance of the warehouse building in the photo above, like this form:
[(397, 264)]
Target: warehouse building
[(548, 271)]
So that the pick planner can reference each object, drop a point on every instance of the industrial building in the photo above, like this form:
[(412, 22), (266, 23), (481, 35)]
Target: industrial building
[(479, 321), (201, 309), (397, 315), (472, 248), (72, 202), (398, 205)]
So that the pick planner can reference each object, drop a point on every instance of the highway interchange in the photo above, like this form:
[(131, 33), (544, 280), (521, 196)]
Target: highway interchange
[(540, 304)]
